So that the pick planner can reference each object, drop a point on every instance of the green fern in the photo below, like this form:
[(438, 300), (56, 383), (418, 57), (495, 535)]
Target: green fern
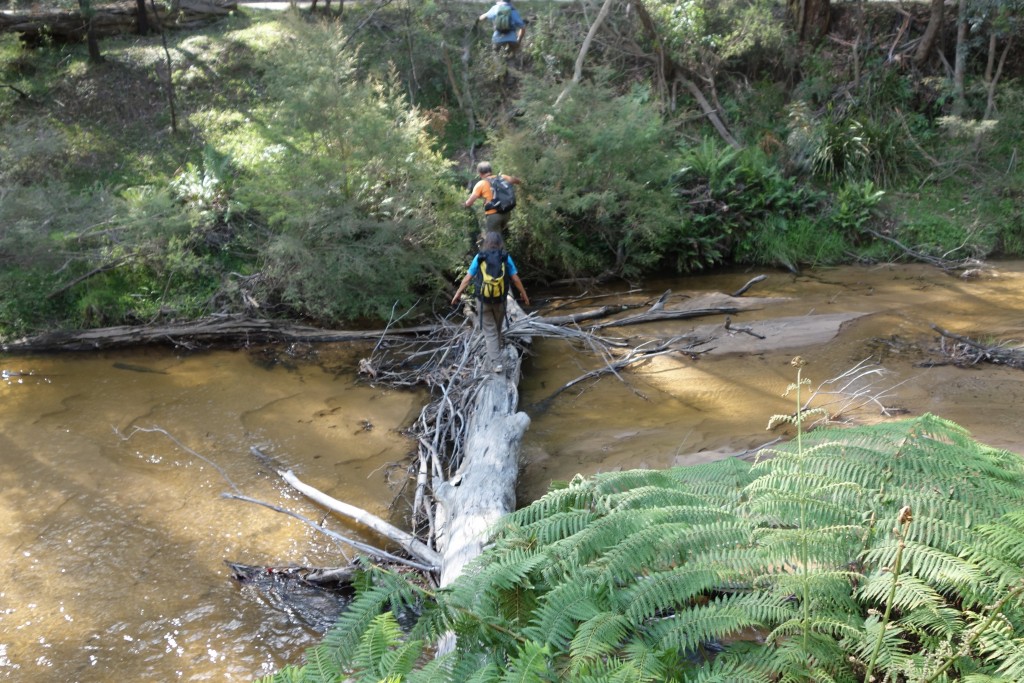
[(892, 551)]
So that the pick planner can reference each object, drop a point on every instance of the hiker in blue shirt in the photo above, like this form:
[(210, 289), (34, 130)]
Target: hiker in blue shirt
[(491, 294), (509, 27)]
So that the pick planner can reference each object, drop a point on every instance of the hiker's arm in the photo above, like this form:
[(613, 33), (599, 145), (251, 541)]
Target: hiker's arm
[(473, 196), (522, 290), (462, 288)]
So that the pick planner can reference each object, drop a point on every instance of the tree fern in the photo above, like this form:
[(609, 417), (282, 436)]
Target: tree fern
[(891, 551)]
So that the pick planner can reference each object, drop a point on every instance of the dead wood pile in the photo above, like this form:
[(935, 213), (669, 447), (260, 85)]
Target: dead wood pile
[(961, 350)]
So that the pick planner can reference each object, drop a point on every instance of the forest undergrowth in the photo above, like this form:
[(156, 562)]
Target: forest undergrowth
[(312, 165)]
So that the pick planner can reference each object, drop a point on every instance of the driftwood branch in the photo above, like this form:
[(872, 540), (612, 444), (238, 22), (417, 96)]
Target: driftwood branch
[(660, 315), (634, 356), (92, 273), (937, 261), (407, 541), (22, 94), (750, 283), (211, 331), (358, 545), (728, 326)]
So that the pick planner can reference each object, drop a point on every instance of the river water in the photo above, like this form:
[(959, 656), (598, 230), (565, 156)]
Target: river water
[(113, 466)]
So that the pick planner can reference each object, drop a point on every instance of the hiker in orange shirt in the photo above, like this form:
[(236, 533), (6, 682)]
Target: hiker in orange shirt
[(498, 194)]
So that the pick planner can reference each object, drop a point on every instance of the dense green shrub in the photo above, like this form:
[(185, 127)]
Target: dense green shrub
[(747, 211), (355, 198), (596, 198)]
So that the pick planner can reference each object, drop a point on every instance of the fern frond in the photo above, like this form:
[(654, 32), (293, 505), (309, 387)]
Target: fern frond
[(340, 643), (577, 496), (643, 663), (382, 634), (668, 591), (941, 570), (562, 609), (831, 592), (321, 666), (827, 548), (912, 596), (653, 497), (597, 637), (942, 624), (666, 545), (717, 619), (608, 484), (893, 652), (529, 665), (811, 657), (730, 670), (1002, 650), (1000, 572), (787, 509), (1006, 539), (553, 528)]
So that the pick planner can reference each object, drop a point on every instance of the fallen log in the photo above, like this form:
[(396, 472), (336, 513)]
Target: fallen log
[(111, 19), (203, 333), (240, 330)]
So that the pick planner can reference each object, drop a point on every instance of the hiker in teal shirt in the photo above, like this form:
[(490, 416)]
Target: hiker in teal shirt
[(491, 314), (513, 36)]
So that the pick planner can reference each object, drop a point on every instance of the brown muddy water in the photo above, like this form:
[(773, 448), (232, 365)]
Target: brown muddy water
[(115, 541)]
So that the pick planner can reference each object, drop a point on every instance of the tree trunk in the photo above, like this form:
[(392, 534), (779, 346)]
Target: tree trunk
[(142, 19), (993, 78), (672, 74), (85, 7), (931, 32), (811, 19), (960, 61), (577, 73), (69, 26), (482, 490)]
